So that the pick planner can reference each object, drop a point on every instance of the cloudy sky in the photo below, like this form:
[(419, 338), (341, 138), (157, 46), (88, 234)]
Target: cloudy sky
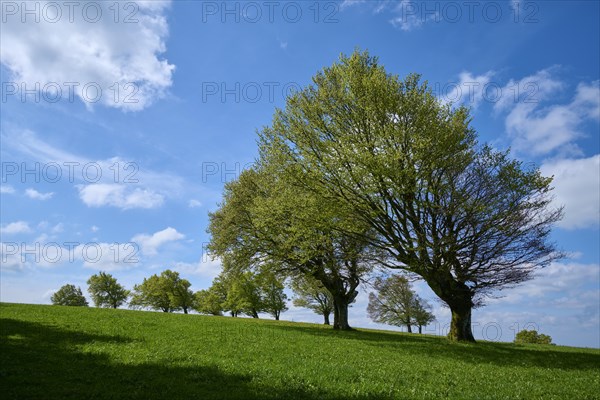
[(122, 120)]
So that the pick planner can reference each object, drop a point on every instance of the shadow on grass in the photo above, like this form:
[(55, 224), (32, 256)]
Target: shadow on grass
[(500, 354), (43, 362)]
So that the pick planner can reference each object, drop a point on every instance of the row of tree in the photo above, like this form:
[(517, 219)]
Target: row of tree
[(393, 303)]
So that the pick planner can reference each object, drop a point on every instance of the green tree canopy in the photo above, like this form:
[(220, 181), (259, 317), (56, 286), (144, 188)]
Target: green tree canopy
[(209, 301), (422, 315), (310, 293), (393, 303), (274, 299), (166, 292), (467, 219), (265, 223), (69, 295), (106, 291), (532, 337)]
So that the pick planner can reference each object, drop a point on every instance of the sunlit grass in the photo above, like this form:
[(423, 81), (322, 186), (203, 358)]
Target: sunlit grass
[(50, 352)]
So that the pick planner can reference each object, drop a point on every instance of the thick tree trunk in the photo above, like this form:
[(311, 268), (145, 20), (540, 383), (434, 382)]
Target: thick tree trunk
[(254, 314), (459, 298), (420, 331), (340, 314), (185, 310), (460, 327), (277, 316), (326, 318), (408, 328)]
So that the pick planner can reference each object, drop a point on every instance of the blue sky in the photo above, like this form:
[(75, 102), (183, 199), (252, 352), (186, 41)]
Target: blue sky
[(120, 123)]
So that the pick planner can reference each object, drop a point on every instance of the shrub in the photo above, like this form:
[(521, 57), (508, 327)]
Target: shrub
[(532, 336)]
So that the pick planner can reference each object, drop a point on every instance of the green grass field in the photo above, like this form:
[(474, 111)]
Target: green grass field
[(51, 352)]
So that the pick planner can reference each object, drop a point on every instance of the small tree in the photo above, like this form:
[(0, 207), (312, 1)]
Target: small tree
[(106, 291), (310, 293), (152, 293), (422, 315), (393, 303), (167, 292), (180, 295), (208, 301), (532, 337), (244, 295), (69, 295), (274, 299)]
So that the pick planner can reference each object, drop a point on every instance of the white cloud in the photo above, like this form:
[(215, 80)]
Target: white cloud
[(94, 228), (411, 15), (206, 268), (107, 256), (64, 52), (150, 243), (539, 130), (350, 3), (7, 189), (15, 228), (11, 257), (577, 187), (194, 203), (118, 195), (58, 228), (34, 194), (123, 183), (468, 90)]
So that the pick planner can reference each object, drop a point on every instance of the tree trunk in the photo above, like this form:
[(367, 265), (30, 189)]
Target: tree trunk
[(459, 298), (408, 327), (326, 318), (277, 315), (420, 329), (340, 314), (254, 314), (460, 327), (185, 310)]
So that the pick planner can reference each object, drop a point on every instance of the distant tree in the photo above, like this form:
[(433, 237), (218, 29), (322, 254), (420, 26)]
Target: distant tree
[(69, 295), (167, 293), (106, 291), (422, 315), (244, 294), (274, 299), (532, 337), (179, 290), (151, 293), (208, 301), (393, 303), (310, 293)]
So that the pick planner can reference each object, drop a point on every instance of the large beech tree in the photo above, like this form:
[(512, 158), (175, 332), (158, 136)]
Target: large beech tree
[(467, 219)]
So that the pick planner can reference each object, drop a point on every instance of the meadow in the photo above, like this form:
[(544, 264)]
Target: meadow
[(54, 352)]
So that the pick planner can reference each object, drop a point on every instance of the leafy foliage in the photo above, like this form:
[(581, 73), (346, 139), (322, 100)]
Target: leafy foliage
[(266, 223), (167, 292), (274, 299), (310, 293), (467, 219), (106, 291), (532, 337), (69, 295), (208, 301)]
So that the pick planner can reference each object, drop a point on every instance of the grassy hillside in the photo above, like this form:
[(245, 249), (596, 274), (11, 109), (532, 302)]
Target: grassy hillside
[(50, 352)]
